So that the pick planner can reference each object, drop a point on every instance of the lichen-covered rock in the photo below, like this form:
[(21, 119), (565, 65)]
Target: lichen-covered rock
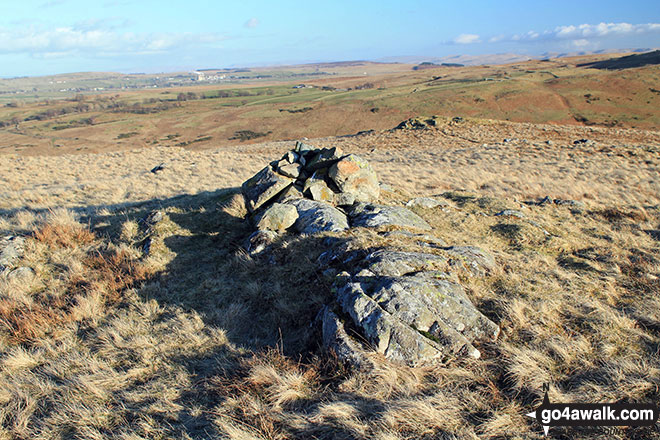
[(352, 174), (320, 191), (389, 336), (344, 199), (263, 186), (386, 262), (335, 338), (287, 169), (277, 217), (316, 217), (373, 216)]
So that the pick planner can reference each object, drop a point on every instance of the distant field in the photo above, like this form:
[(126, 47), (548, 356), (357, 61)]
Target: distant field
[(338, 99)]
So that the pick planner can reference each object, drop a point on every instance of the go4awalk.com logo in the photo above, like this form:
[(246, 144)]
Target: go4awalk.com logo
[(594, 414)]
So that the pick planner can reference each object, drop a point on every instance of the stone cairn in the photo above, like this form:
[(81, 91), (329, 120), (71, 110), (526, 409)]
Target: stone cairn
[(399, 304)]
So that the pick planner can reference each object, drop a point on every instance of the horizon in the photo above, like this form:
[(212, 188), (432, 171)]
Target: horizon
[(42, 38)]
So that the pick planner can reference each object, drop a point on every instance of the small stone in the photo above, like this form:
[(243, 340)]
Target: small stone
[(510, 213), (477, 260), (11, 250), (426, 203), (290, 170), (22, 275), (291, 192), (277, 217), (324, 158), (318, 190), (291, 157), (344, 199)]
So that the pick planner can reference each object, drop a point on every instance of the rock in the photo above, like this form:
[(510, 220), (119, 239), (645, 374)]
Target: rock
[(335, 338), (289, 169), (259, 241), (353, 174), (344, 199), (290, 193), (303, 148), (384, 262), (22, 275), (318, 190), (426, 203), (422, 239), (12, 249), (277, 217), (262, 187), (477, 260), (324, 159), (572, 203), (373, 216), (316, 217), (291, 157), (158, 168), (390, 337), (510, 213)]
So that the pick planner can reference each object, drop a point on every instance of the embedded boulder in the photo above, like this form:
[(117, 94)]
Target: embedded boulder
[(372, 216), (277, 217), (314, 217)]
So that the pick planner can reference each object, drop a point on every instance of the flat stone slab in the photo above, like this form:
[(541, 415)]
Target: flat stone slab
[(262, 187), (372, 216), (314, 217)]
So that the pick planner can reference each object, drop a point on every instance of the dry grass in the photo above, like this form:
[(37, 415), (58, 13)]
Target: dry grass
[(195, 339)]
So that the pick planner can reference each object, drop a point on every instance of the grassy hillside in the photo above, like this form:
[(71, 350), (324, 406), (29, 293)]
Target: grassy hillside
[(209, 116), (125, 330)]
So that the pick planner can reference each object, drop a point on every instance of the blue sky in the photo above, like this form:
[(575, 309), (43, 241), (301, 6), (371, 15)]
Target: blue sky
[(40, 37)]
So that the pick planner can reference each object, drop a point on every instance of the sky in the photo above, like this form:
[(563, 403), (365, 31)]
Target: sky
[(42, 37)]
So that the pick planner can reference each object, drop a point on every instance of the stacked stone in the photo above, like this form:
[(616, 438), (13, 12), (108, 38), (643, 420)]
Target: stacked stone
[(306, 181), (408, 306)]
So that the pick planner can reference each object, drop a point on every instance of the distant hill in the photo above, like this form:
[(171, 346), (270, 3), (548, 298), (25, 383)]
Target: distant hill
[(627, 62)]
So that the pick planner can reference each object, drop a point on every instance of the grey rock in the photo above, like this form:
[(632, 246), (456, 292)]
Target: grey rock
[(291, 157), (302, 148), (571, 203), (324, 158), (277, 217), (316, 217), (344, 199), (510, 213), (426, 203), (289, 169), (335, 338), (384, 262), (478, 261), (290, 193), (319, 190), (352, 174), (373, 216), (259, 241), (23, 275), (262, 187), (12, 249), (389, 336)]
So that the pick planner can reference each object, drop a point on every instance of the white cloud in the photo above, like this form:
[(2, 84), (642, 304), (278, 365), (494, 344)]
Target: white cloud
[(584, 32), (251, 23), (97, 39), (467, 39)]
